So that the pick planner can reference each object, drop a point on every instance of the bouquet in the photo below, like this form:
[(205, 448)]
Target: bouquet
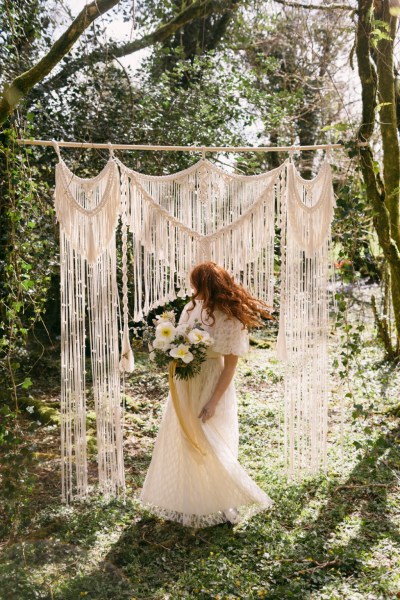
[(184, 344)]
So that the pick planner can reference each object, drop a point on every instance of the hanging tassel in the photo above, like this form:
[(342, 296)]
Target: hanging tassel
[(305, 240), (127, 362)]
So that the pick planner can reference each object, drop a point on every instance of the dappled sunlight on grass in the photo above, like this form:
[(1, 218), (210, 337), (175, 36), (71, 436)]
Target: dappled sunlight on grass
[(330, 536)]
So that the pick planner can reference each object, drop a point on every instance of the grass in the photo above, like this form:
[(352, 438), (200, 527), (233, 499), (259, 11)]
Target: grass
[(332, 536)]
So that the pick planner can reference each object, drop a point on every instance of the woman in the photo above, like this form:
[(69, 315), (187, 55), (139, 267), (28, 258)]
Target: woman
[(194, 476)]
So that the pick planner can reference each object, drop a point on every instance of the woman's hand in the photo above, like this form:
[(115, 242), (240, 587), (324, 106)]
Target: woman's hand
[(207, 411)]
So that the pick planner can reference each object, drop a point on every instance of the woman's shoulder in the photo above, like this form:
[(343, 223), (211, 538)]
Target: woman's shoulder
[(185, 314), (195, 312), (230, 336), (218, 320), (188, 305), (224, 317)]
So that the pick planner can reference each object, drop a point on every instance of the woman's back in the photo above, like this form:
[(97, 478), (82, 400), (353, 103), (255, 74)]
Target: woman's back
[(228, 333)]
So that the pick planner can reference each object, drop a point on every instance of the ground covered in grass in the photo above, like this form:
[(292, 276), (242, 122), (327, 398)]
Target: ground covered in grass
[(332, 536)]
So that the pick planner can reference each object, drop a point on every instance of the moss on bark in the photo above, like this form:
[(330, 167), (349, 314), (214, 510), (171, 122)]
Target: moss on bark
[(378, 86)]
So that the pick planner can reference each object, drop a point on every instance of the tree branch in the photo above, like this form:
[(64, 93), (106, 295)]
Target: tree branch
[(316, 6), (22, 84), (199, 9), (26, 81)]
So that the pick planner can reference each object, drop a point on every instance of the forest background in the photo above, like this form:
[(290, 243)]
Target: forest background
[(204, 72)]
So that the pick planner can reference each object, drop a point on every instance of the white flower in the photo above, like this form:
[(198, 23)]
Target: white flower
[(197, 336), (166, 316), (182, 328), (165, 331), (182, 352), (30, 409), (159, 344)]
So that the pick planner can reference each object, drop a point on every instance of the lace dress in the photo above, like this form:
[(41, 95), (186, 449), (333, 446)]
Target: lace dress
[(202, 489)]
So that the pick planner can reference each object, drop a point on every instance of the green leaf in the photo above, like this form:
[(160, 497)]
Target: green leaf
[(381, 25), (337, 127), (27, 284), (376, 167), (26, 383)]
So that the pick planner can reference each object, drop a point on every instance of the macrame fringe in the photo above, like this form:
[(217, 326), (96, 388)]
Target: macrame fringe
[(73, 382), (304, 318), (88, 210), (200, 214)]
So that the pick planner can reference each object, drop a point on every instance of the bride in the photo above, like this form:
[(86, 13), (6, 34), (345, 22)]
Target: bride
[(197, 480)]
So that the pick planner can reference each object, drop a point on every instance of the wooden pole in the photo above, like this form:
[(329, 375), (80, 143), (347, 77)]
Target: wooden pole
[(108, 146)]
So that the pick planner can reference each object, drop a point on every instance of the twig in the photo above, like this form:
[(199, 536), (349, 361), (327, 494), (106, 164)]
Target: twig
[(318, 566), (309, 6), (155, 544), (291, 560), (203, 539), (363, 485)]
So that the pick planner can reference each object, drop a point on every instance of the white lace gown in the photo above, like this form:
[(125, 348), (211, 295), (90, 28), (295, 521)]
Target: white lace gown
[(199, 490)]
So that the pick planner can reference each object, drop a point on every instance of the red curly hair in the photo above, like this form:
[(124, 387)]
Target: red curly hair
[(218, 290)]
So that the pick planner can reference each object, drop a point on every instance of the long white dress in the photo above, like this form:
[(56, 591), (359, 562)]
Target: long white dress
[(203, 489)]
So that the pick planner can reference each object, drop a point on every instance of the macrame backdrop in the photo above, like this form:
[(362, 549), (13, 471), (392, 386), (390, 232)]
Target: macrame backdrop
[(306, 269), (177, 221), (87, 210)]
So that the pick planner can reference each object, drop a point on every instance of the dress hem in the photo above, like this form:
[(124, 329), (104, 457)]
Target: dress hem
[(243, 512)]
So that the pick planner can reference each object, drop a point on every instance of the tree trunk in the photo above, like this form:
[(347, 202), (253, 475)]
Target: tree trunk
[(378, 86)]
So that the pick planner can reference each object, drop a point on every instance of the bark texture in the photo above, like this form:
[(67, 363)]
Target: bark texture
[(378, 81)]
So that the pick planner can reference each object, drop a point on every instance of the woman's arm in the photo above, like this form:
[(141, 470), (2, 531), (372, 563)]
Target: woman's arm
[(230, 362)]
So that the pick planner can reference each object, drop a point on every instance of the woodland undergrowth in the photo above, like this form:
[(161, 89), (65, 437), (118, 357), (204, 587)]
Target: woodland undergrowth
[(331, 536)]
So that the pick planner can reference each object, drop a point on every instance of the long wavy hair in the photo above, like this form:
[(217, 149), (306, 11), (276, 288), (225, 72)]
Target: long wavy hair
[(218, 290)]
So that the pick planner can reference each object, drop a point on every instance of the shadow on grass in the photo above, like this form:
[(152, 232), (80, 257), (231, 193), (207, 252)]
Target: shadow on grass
[(364, 494), (154, 553), (153, 558), (52, 570)]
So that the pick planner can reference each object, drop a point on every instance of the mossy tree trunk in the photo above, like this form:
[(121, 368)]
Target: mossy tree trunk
[(378, 81)]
